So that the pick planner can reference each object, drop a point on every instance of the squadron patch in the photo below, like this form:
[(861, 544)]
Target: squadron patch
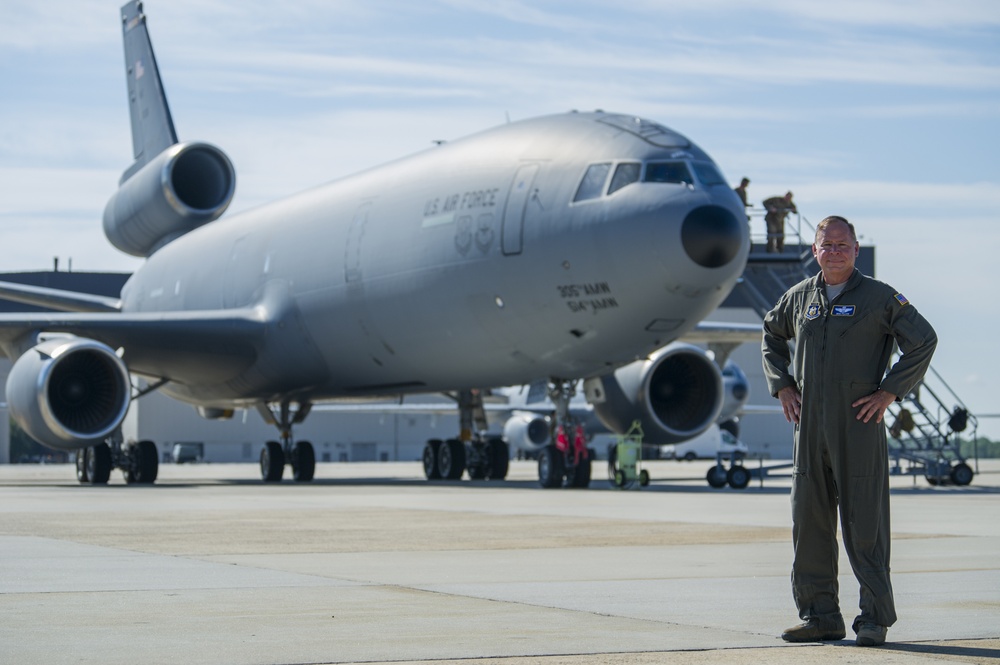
[(902, 299), (812, 312), (843, 310)]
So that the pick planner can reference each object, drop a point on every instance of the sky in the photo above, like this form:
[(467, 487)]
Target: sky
[(883, 111)]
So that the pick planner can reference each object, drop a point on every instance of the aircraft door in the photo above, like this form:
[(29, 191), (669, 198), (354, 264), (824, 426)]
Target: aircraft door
[(512, 227)]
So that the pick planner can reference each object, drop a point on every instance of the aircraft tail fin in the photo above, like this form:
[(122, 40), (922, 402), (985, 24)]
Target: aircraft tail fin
[(152, 125)]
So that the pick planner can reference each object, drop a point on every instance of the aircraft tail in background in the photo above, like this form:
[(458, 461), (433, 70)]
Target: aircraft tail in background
[(152, 125)]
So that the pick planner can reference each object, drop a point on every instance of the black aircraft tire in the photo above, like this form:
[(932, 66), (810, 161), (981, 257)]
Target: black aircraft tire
[(272, 462), (99, 464), (143, 463), (738, 477), (150, 465), (581, 474), (451, 459), (716, 476), (499, 459), (551, 467), (430, 459), (303, 462)]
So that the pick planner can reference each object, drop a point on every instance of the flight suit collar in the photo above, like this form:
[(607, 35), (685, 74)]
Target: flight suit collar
[(852, 282)]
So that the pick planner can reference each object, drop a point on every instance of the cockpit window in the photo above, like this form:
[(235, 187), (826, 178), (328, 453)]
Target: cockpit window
[(625, 174), (592, 185), (708, 174), (676, 172)]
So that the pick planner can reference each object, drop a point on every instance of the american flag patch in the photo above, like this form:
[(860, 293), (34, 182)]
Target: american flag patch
[(902, 299)]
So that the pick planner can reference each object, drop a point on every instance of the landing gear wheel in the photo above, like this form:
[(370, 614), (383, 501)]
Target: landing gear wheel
[(643, 478), (143, 463), (303, 462), (272, 462), (551, 467), (716, 476), (961, 474), (99, 464), (499, 459), (430, 459), (451, 459), (81, 467), (738, 477), (581, 474)]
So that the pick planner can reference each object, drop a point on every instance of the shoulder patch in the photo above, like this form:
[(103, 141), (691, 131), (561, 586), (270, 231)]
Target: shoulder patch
[(902, 299)]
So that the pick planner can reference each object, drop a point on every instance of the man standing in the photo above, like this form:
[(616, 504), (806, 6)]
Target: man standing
[(741, 192), (777, 208), (844, 325)]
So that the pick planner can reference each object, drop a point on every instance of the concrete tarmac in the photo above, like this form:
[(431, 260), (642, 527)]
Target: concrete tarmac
[(372, 564)]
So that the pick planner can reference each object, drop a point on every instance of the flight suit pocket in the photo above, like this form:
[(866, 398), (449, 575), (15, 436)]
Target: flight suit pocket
[(864, 511), (849, 326)]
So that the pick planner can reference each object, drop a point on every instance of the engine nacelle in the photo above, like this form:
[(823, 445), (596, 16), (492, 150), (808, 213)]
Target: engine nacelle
[(69, 393), (185, 186), (527, 431), (676, 394)]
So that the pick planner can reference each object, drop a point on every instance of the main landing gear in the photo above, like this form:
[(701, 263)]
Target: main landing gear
[(299, 454), (485, 458), (565, 463), (139, 461)]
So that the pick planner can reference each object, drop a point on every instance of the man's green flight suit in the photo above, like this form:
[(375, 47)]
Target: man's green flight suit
[(842, 350)]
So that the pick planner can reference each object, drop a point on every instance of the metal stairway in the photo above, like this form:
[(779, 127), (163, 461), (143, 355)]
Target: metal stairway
[(923, 429)]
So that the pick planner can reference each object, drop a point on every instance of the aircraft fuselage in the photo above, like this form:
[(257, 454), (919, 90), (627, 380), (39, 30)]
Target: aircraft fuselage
[(470, 264)]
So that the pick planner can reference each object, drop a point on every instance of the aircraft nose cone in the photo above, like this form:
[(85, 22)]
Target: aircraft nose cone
[(711, 236)]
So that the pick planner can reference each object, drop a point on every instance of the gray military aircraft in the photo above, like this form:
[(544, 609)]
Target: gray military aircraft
[(558, 248)]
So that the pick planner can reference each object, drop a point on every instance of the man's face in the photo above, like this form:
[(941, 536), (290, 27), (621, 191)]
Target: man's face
[(835, 251)]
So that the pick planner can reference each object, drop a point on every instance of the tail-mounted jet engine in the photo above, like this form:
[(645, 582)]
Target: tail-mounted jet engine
[(675, 394), (69, 393), (185, 186)]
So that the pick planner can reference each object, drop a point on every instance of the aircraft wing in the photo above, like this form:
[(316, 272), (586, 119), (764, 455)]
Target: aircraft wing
[(760, 409), (723, 337), (168, 345), (64, 301), (715, 332)]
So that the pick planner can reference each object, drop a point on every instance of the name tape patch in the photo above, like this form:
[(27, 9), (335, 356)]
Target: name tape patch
[(843, 310)]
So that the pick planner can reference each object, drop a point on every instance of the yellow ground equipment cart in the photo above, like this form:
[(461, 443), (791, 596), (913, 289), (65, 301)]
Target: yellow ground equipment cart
[(625, 460)]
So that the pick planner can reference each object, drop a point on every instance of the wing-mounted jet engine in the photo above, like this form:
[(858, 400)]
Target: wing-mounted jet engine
[(184, 187), (676, 394), (527, 431), (71, 393)]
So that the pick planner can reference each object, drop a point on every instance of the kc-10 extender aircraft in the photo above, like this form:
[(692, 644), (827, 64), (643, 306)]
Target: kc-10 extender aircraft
[(559, 248)]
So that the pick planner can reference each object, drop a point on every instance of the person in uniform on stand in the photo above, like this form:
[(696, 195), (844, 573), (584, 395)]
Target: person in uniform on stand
[(777, 208), (845, 325), (741, 191)]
